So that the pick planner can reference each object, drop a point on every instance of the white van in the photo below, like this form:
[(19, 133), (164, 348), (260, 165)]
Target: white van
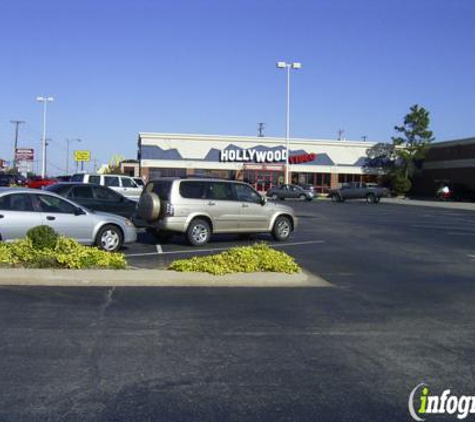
[(125, 185)]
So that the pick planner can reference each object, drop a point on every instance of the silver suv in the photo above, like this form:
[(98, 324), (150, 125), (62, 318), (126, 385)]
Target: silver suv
[(199, 207)]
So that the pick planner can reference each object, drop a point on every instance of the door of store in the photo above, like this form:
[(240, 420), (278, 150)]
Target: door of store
[(264, 181)]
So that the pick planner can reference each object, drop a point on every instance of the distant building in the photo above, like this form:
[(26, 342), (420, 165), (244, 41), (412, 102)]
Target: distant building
[(447, 162), (256, 160)]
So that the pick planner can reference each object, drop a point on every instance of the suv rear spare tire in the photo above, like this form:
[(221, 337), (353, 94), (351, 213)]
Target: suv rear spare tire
[(149, 206)]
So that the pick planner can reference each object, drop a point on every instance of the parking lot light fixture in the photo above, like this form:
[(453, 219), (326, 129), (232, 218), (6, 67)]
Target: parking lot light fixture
[(288, 66), (45, 100)]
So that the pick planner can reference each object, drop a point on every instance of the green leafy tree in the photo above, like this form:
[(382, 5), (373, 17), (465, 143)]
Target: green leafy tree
[(413, 140)]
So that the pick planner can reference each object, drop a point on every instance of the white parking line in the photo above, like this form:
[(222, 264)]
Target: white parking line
[(159, 249), (194, 251)]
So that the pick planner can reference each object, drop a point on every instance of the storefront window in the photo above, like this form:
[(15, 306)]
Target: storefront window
[(263, 180), (157, 173), (348, 178)]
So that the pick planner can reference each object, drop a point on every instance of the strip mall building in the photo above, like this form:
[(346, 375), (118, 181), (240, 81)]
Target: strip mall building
[(259, 161)]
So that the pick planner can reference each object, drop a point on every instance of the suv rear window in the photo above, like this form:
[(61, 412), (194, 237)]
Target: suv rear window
[(193, 190), (161, 188), (77, 178)]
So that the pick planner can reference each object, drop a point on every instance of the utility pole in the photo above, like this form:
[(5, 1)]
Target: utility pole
[(341, 132), (15, 145), (260, 129)]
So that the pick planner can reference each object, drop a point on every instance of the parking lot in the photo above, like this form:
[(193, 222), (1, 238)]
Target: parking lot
[(400, 313), (371, 243)]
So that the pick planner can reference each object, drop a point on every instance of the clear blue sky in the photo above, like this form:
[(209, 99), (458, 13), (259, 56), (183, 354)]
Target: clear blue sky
[(117, 68)]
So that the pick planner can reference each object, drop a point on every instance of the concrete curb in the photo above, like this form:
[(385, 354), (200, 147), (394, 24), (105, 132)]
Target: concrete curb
[(466, 206), (152, 278)]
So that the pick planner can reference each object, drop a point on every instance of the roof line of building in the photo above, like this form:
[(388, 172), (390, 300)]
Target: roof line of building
[(264, 139)]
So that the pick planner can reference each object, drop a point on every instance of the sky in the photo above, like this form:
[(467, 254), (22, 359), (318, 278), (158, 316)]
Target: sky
[(117, 68)]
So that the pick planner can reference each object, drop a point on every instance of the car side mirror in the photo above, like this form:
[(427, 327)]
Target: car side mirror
[(79, 211), (263, 200)]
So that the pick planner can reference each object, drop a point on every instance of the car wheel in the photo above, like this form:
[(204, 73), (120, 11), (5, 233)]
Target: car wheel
[(302, 197), (199, 232), (309, 198), (109, 238), (371, 198), (336, 198), (274, 197), (282, 228)]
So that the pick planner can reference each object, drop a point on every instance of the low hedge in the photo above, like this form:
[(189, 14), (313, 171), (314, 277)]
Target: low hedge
[(245, 259), (64, 253)]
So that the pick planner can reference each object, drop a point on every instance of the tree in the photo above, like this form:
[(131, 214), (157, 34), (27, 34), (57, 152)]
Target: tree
[(381, 156), (414, 139)]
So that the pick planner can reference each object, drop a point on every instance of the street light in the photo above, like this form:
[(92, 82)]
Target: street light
[(68, 141), (288, 66), (45, 101)]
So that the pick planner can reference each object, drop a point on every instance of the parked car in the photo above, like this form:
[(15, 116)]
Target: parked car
[(200, 207), (140, 182), (461, 192), (290, 192), (307, 186), (38, 182), (12, 179), (95, 197), (22, 209), (125, 185), (356, 190)]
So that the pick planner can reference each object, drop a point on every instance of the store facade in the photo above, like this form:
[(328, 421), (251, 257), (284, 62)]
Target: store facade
[(259, 161)]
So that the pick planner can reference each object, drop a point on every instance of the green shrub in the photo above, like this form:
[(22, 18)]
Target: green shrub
[(42, 237), (66, 253), (245, 259), (401, 185)]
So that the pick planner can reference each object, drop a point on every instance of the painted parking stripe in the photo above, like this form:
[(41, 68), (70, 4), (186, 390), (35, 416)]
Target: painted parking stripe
[(186, 251), (159, 249)]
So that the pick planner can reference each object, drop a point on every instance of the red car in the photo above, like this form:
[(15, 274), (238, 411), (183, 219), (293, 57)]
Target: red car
[(38, 182)]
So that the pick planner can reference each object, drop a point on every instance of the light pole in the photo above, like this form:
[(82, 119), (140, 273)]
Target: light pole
[(45, 101), (288, 66), (68, 141)]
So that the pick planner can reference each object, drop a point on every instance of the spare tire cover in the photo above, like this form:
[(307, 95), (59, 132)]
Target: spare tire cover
[(149, 206)]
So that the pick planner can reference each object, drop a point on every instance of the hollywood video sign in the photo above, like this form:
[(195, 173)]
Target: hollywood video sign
[(253, 156), (256, 156)]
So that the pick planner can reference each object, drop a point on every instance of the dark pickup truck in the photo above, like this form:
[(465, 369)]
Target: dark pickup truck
[(369, 191)]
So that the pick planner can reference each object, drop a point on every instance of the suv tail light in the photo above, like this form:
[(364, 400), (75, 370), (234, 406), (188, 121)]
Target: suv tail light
[(169, 210)]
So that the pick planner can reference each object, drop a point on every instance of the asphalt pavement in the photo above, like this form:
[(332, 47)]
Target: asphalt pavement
[(400, 312)]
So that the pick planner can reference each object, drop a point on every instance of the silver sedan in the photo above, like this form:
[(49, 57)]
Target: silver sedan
[(22, 209)]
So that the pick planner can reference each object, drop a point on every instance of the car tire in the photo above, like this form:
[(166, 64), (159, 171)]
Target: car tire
[(198, 232), (282, 229), (148, 208), (302, 197), (335, 198), (309, 198), (109, 238), (371, 198)]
